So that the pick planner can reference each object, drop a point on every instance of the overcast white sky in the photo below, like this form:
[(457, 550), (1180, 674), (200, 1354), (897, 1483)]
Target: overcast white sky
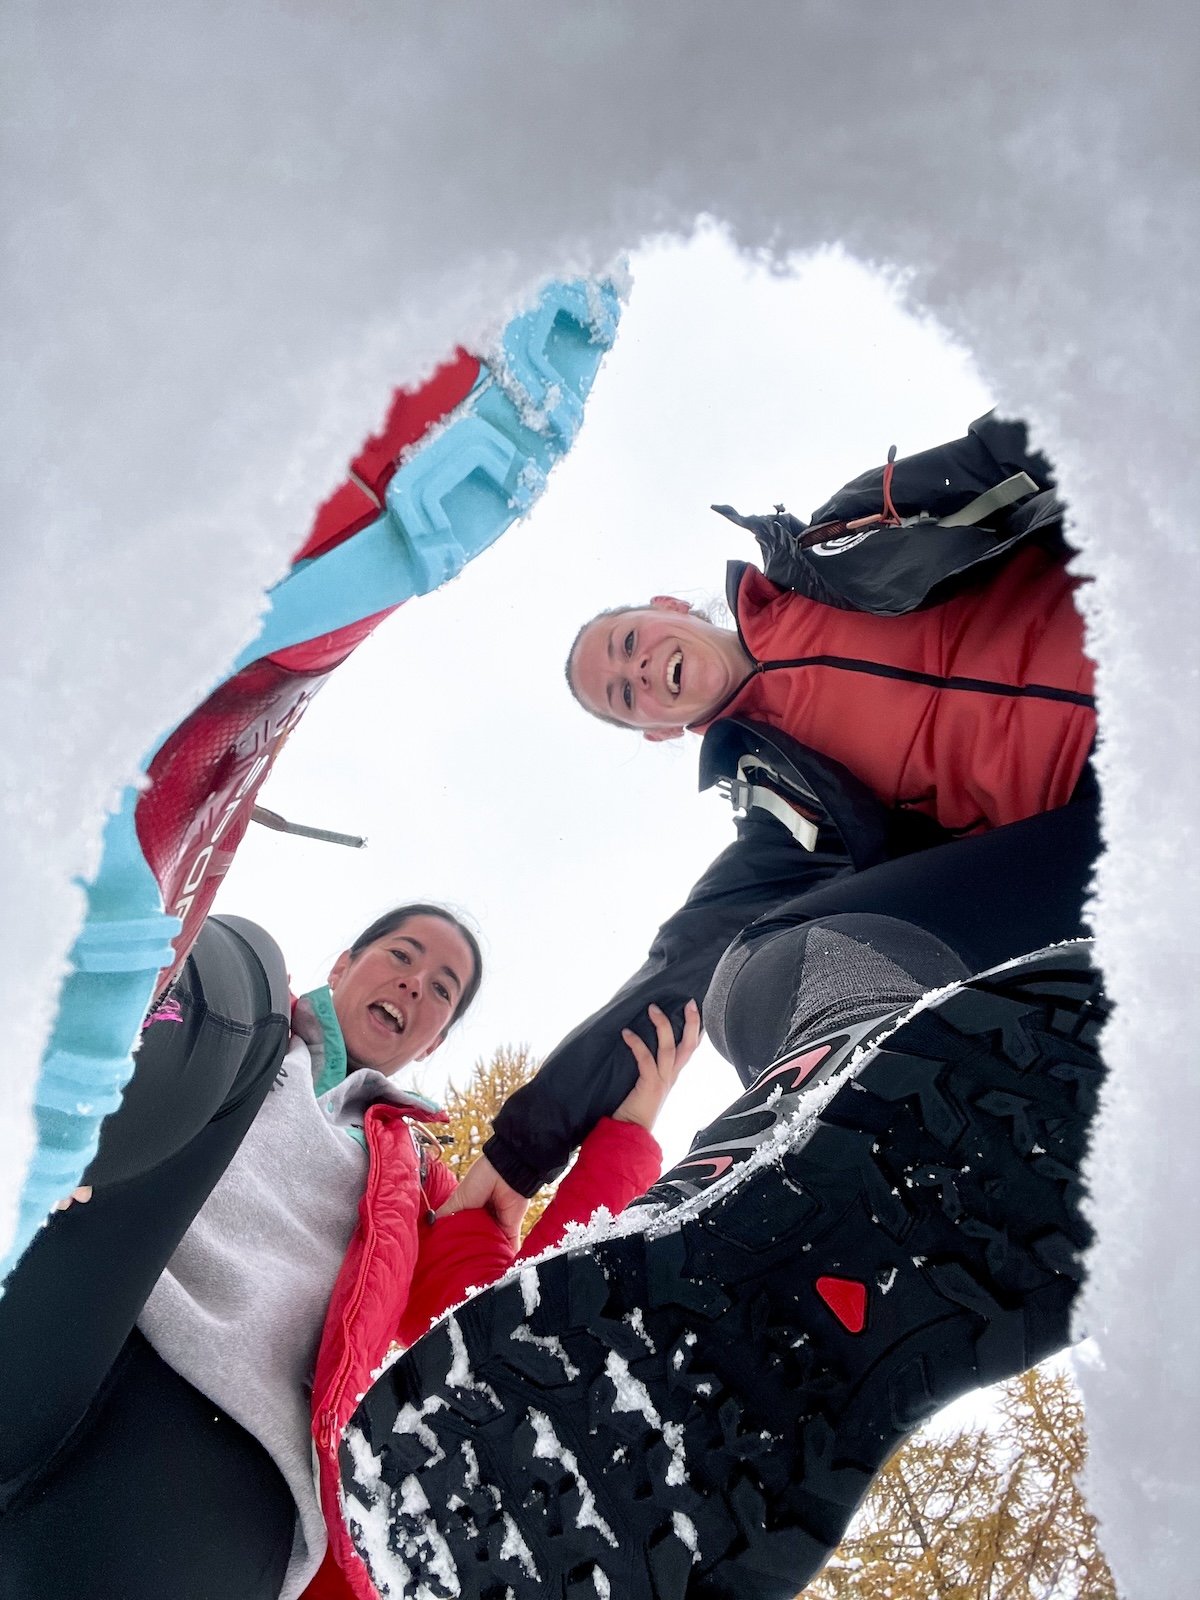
[(450, 739)]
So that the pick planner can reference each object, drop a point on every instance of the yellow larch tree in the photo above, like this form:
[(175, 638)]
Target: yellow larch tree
[(472, 1109), (987, 1513)]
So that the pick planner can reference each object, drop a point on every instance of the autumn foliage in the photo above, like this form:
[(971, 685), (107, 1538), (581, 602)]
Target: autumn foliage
[(989, 1513), (472, 1108)]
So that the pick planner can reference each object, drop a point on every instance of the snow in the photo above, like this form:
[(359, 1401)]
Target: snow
[(413, 1500), (514, 1548), (410, 1420), (460, 1374), (685, 1530), (424, 1568), (433, 1557), (637, 1322), (551, 1344), (371, 1525), (368, 1466), (471, 1476), (531, 1291), (631, 1394), (549, 1447), (232, 229)]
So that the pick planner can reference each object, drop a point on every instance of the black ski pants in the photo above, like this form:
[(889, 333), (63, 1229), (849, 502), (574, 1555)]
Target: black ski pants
[(118, 1479)]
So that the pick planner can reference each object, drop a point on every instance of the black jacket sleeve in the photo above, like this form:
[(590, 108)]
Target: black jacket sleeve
[(588, 1075), (889, 571)]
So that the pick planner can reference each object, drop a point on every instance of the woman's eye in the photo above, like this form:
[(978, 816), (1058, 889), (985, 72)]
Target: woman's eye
[(402, 955), (629, 643), (627, 696), (442, 992)]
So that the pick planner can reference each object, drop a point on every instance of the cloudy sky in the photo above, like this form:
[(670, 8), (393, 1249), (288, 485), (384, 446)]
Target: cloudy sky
[(450, 739)]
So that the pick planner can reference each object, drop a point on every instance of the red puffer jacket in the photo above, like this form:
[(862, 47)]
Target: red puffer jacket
[(977, 711), (401, 1272)]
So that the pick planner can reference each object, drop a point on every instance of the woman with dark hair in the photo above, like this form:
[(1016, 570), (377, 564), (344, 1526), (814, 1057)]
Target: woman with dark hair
[(415, 969), (266, 1218)]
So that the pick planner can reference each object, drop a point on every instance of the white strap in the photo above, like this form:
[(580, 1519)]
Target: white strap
[(801, 829)]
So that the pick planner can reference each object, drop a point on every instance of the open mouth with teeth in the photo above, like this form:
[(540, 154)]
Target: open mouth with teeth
[(675, 672), (387, 1015)]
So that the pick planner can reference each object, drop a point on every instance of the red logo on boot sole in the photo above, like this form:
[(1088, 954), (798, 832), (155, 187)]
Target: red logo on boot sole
[(846, 1299)]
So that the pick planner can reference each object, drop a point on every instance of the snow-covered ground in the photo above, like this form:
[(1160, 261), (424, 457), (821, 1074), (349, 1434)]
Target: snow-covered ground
[(230, 229)]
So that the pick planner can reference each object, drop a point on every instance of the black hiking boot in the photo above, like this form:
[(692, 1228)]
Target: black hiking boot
[(695, 1403), (771, 1101)]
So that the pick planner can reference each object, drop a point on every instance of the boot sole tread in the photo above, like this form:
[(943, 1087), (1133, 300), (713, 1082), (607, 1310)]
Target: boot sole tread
[(716, 1420)]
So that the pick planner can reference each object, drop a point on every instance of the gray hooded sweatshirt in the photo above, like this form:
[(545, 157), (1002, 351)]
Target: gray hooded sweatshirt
[(240, 1309)]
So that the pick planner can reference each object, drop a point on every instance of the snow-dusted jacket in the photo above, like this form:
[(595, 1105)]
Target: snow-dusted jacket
[(403, 1269), (911, 586)]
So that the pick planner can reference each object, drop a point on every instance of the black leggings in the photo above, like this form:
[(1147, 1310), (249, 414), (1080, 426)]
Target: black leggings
[(990, 898), (118, 1479)]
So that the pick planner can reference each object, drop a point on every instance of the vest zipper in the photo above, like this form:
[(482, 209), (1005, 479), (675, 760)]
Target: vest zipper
[(370, 1240)]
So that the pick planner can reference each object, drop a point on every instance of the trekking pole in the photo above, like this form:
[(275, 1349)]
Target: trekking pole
[(272, 819)]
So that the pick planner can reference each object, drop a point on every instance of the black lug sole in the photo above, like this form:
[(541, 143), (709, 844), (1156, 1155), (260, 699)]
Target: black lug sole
[(696, 1408)]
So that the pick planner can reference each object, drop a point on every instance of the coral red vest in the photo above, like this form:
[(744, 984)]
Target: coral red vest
[(977, 711)]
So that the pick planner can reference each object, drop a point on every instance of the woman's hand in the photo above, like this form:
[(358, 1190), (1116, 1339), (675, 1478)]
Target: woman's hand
[(656, 1077), (484, 1188)]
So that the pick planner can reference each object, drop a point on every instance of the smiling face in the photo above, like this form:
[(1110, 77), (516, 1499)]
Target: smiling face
[(658, 668), (396, 998)]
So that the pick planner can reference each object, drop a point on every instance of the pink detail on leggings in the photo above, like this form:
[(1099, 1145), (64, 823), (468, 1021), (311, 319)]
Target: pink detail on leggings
[(169, 1010)]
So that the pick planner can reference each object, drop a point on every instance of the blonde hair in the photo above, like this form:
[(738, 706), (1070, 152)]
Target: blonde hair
[(614, 611), (569, 666)]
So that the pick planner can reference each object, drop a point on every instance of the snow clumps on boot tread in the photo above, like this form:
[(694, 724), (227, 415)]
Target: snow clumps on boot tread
[(775, 1337)]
